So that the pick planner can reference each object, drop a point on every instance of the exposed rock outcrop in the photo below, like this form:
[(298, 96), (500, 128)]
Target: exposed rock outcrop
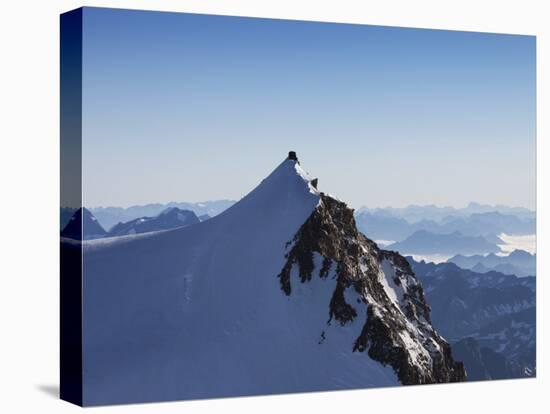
[(398, 330)]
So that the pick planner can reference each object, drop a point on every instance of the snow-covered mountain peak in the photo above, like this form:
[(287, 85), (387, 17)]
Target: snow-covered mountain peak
[(279, 293), (285, 198), (290, 175)]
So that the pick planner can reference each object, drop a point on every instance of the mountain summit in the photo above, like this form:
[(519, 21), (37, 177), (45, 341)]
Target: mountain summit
[(279, 293)]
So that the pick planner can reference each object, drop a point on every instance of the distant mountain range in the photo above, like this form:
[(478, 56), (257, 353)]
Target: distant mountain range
[(519, 263), (83, 221), (82, 225), (416, 213), (109, 216), (496, 310), (424, 242), (170, 218), (483, 363), (386, 224), (395, 224)]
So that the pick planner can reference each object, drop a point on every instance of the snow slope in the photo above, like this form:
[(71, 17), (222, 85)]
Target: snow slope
[(198, 312)]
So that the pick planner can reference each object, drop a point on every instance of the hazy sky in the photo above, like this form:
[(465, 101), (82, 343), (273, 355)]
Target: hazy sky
[(180, 107)]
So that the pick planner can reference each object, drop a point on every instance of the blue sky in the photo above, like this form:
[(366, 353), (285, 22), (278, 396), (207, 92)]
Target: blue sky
[(183, 107)]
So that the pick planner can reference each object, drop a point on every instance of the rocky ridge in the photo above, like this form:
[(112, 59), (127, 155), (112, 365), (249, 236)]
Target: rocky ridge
[(373, 284)]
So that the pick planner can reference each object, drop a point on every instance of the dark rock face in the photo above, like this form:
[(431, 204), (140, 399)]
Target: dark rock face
[(398, 330)]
